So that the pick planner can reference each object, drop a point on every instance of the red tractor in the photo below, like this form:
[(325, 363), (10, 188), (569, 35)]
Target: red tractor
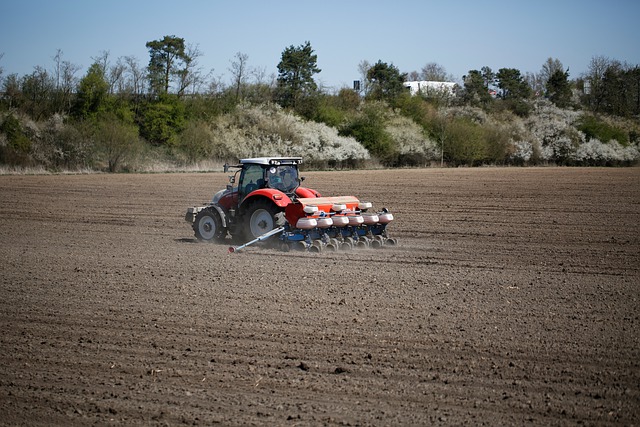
[(268, 200)]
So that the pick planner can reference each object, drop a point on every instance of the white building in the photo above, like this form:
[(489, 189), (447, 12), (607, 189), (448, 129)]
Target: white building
[(428, 87)]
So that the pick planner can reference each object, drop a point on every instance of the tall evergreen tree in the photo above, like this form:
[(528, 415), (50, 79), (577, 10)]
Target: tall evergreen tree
[(558, 88), (385, 81), (168, 61), (512, 84), (476, 90), (295, 74)]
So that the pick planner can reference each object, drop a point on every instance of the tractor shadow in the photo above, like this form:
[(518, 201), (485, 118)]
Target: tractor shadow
[(187, 240)]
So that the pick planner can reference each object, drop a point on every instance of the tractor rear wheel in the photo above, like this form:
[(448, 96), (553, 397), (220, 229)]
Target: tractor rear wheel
[(208, 226), (260, 217)]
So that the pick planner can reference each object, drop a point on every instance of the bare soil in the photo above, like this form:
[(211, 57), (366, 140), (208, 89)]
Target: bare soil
[(512, 298)]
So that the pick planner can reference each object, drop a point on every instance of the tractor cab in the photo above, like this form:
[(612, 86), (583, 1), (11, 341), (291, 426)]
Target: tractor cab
[(276, 173)]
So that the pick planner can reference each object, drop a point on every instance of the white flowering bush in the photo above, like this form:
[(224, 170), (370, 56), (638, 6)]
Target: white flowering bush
[(267, 130), (550, 128), (596, 153), (522, 152), (554, 138), (410, 141)]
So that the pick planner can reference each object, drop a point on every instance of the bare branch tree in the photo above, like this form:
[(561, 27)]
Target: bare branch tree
[(414, 76), (191, 75), (363, 68), (595, 76), (239, 71), (259, 75), (65, 82), (57, 60), (69, 82), (434, 72), (134, 78), (548, 68), (536, 82), (215, 84), (102, 60), (115, 77)]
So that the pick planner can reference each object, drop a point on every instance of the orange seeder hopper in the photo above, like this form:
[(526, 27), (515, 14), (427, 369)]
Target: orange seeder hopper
[(340, 222)]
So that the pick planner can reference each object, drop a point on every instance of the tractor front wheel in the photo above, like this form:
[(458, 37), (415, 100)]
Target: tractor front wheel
[(260, 217), (208, 226)]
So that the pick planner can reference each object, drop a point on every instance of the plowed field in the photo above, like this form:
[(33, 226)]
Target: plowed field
[(512, 298)]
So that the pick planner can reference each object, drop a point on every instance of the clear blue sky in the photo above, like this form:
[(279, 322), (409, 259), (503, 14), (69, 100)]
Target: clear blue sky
[(459, 35)]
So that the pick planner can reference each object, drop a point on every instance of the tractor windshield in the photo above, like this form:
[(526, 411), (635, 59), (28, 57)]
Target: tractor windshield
[(283, 178)]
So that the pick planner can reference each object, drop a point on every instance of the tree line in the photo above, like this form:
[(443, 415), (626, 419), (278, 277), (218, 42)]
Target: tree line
[(119, 108)]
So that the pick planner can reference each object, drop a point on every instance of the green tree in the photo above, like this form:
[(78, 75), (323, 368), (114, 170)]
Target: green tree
[(17, 150), (514, 91), (368, 128), (632, 79), (16, 138), (168, 61), (614, 91), (476, 90), (162, 120), (512, 84), (488, 76), (385, 82), (558, 88), (295, 74), (92, 92)]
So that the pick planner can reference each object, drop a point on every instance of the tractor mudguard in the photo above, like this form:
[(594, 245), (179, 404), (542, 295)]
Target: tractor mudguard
[(223, 216), (276, 196)]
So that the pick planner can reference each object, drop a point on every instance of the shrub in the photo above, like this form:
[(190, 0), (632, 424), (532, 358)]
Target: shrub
[(196, 141), (268, 130), (64, 146), (16, 138), (418, 110), (498, 147), (117, 142), (410, 142), (551, 133), (162, 120), (330, 115), (368, 128), (465, 142), (595, 128), (521, 153), (595, 153)]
